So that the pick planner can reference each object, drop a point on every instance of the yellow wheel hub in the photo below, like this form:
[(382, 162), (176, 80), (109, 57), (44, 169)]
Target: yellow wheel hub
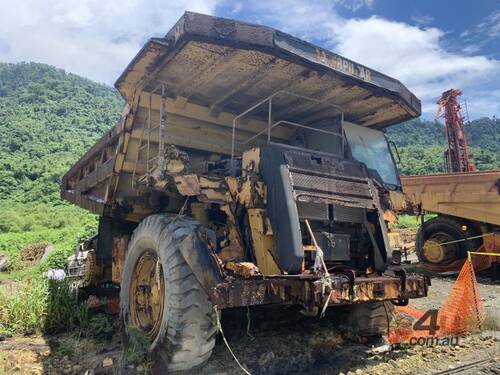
[(147, 294), (433, 251)]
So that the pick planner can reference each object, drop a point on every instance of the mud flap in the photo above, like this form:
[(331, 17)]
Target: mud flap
[(197, 255)]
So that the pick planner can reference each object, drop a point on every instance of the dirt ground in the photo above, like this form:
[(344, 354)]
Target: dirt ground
[(277, 342)]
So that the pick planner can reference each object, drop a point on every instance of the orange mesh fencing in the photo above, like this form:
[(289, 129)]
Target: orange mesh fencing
[(462, 312)]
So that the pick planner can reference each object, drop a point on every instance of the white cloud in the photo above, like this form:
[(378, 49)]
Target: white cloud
[(490, 25), (412, 55), (422, 20), (483, 103), (311, 20), (92, 38), (486, 32), (355, 5)]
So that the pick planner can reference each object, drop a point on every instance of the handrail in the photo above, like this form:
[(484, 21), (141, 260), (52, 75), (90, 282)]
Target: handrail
[(293, 124), (271, 125)]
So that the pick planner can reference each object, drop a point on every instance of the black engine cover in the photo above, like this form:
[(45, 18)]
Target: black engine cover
[(301, 184)]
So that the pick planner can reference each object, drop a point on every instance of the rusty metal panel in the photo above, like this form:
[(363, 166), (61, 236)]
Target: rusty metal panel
[(309, 290), (118, 252), (88, 181), (244, 269)]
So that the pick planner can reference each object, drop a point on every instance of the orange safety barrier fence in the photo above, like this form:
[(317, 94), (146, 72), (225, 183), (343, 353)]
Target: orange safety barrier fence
[(462, 312)]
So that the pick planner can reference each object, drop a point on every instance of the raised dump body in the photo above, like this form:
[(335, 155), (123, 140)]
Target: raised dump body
[(212, 69), (248, 169), (467, 204)]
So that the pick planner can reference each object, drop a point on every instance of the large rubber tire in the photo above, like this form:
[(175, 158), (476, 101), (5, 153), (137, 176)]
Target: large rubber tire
[(187, 332), (371, 318), (444, 229)]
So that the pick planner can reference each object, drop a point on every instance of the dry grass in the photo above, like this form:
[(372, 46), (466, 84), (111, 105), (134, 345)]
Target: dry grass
[(490, 322)]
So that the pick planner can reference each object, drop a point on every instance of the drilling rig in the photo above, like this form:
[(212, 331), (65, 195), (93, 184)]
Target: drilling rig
[(457, 158)]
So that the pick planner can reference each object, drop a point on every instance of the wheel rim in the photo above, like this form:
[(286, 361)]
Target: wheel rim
[(147, 294), (433, 251), (436, 251)]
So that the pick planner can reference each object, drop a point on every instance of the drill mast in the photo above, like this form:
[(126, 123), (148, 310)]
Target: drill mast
[(457, 158)]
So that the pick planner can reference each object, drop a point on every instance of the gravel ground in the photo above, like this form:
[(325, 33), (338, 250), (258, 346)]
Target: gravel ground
[(320, 349), (279, 342)]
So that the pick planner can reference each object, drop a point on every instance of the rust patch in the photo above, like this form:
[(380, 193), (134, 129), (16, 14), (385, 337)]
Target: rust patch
[(188, 185), (245, 269), (492, 243), (119, 251), (308, 291), (390, 216)]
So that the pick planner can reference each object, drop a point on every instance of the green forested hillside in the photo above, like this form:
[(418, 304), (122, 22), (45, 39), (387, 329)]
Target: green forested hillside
[(48, 118), (421, 145)]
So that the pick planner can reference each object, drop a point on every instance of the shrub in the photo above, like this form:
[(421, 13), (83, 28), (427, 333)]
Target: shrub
[(65, 311), (100, 326)]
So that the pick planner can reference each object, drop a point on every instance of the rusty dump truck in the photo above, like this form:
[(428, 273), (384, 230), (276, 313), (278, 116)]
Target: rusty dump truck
[(248, 168)]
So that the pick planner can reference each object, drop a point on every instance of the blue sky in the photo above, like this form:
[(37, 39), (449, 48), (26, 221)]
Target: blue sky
[(429, 45)]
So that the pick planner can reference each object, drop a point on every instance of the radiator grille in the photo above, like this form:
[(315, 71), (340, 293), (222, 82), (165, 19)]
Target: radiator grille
[(332, 189), (313, 211), (348, 214)]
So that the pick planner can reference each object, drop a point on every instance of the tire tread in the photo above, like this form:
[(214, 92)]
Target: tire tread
[(188, 337)]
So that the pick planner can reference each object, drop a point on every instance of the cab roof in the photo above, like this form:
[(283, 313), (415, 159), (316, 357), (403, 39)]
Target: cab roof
[(228, 65)]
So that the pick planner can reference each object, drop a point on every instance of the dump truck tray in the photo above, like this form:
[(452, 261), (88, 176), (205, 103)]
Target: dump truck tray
[(472, 195), (218, 62)]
